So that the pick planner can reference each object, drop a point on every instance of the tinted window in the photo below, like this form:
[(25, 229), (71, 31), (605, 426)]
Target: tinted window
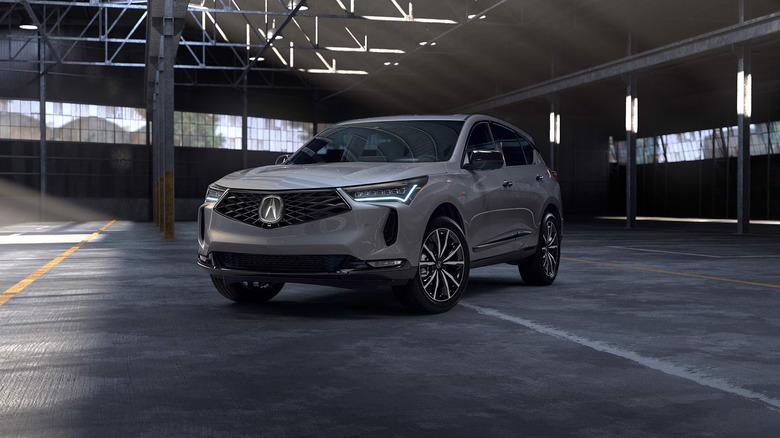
[(528, 149), (480, 139), (510, 145), (402, 141)]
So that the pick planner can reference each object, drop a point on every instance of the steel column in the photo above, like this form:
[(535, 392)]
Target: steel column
[(157, 156), (744, 109), (165, 86), (42, 120), (769, 170), (244, 127), (632, 117)]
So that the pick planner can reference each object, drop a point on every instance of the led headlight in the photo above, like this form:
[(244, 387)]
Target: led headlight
[(398, 191), (214, 192)]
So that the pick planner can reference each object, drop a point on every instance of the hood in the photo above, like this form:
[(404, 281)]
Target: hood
[(315, 176)]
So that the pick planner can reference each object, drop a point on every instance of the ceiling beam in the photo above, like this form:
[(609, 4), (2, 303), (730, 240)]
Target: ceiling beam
[(720, 39)]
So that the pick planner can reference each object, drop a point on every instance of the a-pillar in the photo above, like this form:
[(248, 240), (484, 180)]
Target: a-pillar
[(632, 126), (744, 109)]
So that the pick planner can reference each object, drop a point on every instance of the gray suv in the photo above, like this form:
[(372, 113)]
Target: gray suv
[(412, 202)]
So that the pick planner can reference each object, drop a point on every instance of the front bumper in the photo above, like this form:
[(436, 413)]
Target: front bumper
[(357, 235), (358, 275)]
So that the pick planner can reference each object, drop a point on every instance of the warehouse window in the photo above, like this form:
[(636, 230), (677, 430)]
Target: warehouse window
[(276, 135), (698, 145), (20, 120), (206, 130)]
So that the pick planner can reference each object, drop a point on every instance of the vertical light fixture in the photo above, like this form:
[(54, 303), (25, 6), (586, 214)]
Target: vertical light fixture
[(744, 94), (632, 114), (552, 126), (555, 130)]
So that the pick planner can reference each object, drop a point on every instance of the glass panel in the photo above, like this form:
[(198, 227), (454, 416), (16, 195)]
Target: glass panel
[(510, 145)]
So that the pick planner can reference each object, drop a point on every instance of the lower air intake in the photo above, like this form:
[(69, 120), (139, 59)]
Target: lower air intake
[(283, 263)]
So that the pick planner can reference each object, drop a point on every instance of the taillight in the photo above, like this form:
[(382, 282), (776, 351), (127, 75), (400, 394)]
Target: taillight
[(554, 174)]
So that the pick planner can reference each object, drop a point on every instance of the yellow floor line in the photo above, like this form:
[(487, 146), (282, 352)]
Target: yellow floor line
[(752, 283), (18, 287)]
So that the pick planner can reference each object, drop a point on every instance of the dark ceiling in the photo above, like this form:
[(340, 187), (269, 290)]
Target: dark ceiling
[(518, 43)]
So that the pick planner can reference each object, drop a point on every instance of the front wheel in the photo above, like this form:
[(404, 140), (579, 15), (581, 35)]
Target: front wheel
[(542, 268), (443, 269), (247, 291)]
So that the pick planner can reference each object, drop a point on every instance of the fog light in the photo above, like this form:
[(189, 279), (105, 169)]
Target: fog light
[(384, 263)]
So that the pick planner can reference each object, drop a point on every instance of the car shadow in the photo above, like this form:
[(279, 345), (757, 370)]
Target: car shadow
[(361, 304), (347, 304)]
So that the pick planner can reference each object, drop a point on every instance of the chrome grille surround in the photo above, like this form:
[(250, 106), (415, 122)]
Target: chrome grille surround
[(299, 206)]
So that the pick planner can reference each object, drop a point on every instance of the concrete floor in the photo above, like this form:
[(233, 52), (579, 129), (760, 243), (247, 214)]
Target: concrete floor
[(127, 337)]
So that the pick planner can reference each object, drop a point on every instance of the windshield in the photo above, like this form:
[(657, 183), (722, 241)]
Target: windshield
[(410, 141)]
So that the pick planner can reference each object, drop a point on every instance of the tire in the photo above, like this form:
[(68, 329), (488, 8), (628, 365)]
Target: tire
[(248, 291), (542, 267), (443, 270)]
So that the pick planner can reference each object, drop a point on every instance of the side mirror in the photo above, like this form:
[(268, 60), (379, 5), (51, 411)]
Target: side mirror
[(484, 160), (281, 159)]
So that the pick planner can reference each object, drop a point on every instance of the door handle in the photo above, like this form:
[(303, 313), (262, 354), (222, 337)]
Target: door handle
[(539, 178), (508, 183)]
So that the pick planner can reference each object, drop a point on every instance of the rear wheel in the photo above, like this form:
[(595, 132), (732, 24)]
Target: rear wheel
[(542, 267), (247, 291), (443, 269)]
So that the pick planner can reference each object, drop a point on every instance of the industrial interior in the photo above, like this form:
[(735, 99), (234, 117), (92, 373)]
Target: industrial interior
[(660, 117)]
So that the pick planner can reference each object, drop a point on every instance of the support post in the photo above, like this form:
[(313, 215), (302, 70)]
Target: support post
[(632, 126), (158, 156), (769, 169), (42, 120), (150, 149), (744, 109), (166, 92), (245, 128)]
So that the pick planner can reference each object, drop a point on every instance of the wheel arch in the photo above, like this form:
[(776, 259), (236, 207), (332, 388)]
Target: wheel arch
[(552, 208), (449, 210), (556, 211)]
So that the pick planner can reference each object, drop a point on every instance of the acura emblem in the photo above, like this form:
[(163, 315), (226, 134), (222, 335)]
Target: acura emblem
[(271, 209)]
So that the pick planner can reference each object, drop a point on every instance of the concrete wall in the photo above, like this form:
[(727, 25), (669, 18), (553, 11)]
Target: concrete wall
[(699, 189), (90, 181)]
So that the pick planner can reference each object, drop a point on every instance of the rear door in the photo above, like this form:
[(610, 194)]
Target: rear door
[(487, 205), (527, 176)]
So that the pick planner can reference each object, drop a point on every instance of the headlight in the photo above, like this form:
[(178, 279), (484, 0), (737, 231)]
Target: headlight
[(399, 191), (214, 192)]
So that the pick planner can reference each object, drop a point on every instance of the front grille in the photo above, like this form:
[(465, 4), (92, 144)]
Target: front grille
[(298, 207), (283, 263)]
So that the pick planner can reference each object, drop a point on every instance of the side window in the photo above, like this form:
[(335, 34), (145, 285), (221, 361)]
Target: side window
[(510, 144), (480, 139), (528, 149)]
